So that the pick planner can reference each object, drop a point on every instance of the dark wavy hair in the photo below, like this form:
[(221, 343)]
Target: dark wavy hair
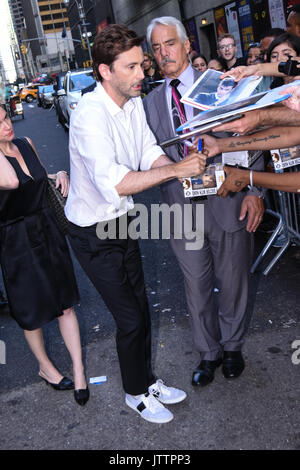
[(110, 43), (290, 39), (201, 57)]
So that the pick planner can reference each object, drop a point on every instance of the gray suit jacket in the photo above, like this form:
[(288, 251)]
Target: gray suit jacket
[(226, 211)]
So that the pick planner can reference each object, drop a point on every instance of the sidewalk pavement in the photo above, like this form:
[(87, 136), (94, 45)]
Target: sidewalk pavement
[(260, 410)]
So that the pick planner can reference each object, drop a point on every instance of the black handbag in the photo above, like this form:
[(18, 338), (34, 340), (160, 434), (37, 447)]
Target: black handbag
[(57, 203)]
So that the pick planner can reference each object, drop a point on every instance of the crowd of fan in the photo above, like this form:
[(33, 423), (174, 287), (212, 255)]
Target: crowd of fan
[(275, 45)]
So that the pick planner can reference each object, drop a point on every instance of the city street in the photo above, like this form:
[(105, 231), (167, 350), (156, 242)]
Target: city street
[(260, 410)]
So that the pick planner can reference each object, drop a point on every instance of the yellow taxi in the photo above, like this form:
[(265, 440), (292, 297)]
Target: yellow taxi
[(29, 93)]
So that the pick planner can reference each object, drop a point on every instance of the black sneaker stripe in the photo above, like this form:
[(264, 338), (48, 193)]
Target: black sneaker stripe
[(141, 407)]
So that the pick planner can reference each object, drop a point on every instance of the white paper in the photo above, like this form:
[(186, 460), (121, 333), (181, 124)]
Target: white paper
[(233, 26), (98, 380), (277, 16)]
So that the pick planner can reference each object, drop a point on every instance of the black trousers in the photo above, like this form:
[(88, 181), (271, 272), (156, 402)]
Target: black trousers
[(114, 266)]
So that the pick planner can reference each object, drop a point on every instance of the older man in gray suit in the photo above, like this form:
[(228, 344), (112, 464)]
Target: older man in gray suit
[(224, 260)]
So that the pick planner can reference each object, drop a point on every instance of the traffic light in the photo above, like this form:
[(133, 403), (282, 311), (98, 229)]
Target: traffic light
[(84, 42), (24, 49)]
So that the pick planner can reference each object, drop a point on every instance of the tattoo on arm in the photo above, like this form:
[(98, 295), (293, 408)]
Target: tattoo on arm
[(255, 139)]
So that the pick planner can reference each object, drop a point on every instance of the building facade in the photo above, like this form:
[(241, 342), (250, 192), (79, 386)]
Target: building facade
[(205, 21), (17, 17), (46, 23), (15, 33), (87, 17)]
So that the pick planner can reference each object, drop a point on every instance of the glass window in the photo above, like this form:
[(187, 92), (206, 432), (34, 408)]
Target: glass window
[(81, 81), (48, 89)]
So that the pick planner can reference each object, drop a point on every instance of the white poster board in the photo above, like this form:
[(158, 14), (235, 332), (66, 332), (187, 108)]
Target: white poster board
[(233, 25), (277, 15)]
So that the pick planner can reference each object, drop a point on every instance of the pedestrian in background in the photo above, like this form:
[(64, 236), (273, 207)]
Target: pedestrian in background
[(216, 64), (227, 50), (152, 75), (34, 257), (254, 54), (199, 62), (284, 47)]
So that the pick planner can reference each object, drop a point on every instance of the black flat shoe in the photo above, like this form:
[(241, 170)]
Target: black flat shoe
[(82, 396), (233, 364), (64, 384), (205, 372)]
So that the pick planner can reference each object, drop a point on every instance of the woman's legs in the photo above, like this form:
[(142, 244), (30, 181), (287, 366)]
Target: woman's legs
[(36, 343), (69, 329)]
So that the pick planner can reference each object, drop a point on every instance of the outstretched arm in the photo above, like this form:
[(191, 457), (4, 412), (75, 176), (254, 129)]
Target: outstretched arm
[(237, 179), (258, 70), (161, 171), (268, 139), (277, 115)]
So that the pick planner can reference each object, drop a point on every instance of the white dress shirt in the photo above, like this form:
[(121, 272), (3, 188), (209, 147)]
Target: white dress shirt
[(106, 142), (186, 82)]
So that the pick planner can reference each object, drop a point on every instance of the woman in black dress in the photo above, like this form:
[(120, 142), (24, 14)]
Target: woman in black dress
[(36, 264)]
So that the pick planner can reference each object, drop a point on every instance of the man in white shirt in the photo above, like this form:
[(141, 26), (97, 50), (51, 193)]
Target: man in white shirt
[(114, 155)]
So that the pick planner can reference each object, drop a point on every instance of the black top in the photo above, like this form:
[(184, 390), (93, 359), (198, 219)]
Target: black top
[(34, 256)]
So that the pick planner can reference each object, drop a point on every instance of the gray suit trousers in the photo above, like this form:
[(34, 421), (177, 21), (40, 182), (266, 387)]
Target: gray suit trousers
[(217, 323)]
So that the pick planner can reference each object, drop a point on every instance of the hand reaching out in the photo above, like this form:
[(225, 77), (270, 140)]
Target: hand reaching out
[(294, 101)]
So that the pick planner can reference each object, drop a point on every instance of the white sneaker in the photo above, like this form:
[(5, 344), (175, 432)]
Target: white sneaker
[(149, 408), (166, 395)]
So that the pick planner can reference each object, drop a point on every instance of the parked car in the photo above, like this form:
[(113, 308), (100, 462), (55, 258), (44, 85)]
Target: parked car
[(46, 96), (74, 83), (58, 85), (44, 79), (29, 93)]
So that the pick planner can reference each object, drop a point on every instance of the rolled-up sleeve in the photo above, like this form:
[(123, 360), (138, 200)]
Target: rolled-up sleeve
[(91, 138)]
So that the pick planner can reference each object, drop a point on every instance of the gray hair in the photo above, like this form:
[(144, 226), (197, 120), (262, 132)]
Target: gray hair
[(167, 21)]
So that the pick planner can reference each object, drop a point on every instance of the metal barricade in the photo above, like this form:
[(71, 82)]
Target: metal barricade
[(288, 215)]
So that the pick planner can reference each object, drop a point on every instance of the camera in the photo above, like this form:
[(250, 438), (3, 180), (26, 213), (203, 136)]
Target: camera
[(289, 68)]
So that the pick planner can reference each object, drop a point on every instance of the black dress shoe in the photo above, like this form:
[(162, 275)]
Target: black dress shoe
[(233, 364), (205, 372), (64, 384), (82, 396)]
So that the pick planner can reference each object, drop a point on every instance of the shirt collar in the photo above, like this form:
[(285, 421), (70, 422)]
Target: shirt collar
[(111, 105), (186, 77)]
